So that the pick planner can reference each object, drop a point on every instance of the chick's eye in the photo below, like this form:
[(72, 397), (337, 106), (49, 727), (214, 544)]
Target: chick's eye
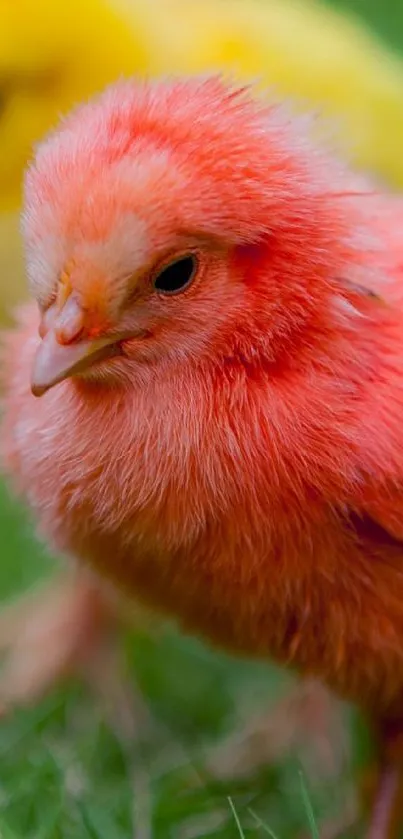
[(176, 276)]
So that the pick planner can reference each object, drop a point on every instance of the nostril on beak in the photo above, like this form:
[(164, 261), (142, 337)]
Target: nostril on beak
[(69, 324)]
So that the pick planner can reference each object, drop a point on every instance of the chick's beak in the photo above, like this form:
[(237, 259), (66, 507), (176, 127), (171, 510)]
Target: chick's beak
[(55, 362), (62, 354)]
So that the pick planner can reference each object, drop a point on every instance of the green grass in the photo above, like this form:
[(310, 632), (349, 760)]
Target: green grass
[(64, 773)]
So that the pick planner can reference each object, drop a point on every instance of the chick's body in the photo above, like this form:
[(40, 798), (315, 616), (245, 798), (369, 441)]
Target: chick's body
[(242, 552)]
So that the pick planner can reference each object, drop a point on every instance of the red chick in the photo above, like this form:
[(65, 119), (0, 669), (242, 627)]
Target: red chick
[(220, 366)]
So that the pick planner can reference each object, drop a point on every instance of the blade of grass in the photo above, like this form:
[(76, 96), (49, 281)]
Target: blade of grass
[(236, 817), (308, 808)]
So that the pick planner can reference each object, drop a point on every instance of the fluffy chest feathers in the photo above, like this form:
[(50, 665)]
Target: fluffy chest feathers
[(168, 464)]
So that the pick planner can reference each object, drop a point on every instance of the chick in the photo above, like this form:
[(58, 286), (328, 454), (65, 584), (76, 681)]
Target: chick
[(220, 366)]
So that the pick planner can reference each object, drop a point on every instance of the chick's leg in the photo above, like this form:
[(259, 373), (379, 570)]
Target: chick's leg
[(386, 810), (67, 626), (308, 720), (387, 814)]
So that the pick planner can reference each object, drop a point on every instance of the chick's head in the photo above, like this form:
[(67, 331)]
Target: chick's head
[(172, 222)]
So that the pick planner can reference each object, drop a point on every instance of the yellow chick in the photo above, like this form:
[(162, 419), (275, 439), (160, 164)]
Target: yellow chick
[(55, 54)]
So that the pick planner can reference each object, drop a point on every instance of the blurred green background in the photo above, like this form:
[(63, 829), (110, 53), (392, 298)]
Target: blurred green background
[(65, 773)]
